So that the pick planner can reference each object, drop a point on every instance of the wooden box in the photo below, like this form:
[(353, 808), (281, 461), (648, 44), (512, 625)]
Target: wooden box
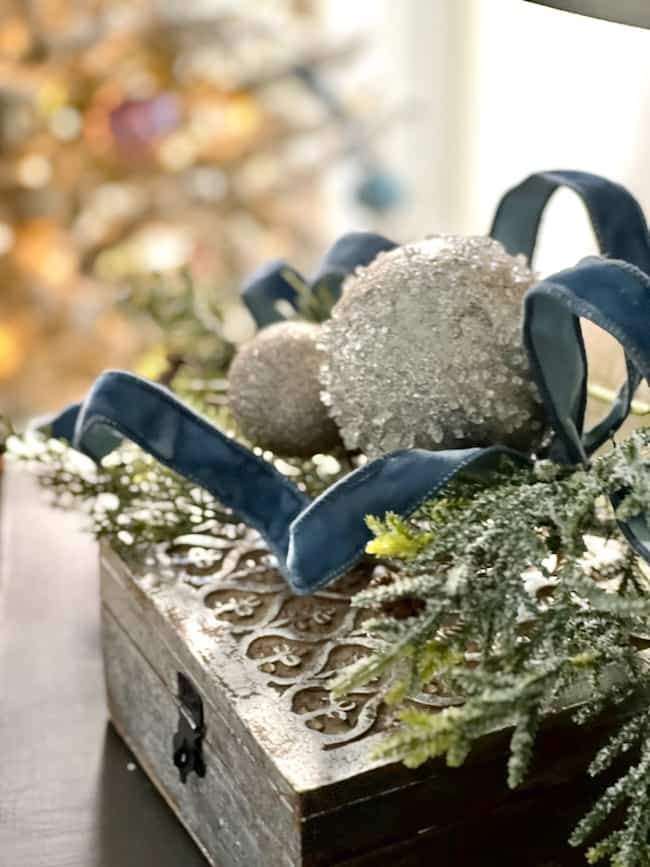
[(216, 679)]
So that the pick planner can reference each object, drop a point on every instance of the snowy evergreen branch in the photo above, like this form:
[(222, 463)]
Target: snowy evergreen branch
[(522, 598)]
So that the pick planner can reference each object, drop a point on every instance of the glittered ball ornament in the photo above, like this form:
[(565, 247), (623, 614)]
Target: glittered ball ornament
[(424, 350), (275, 391)]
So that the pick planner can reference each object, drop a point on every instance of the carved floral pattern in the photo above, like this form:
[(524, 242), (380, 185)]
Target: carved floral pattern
[(296, 643)]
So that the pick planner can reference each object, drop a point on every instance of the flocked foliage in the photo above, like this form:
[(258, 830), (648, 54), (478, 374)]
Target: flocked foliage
[(523, 598), (133, 501)]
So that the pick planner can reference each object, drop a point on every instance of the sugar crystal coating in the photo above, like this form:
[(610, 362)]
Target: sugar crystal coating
[(424, 350)]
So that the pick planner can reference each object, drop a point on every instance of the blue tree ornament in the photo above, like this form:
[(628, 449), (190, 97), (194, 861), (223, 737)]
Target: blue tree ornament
[(612, 290)]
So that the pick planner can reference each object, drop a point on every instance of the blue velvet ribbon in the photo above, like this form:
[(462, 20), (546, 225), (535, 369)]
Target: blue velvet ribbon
[(315, 542), (264, 292)]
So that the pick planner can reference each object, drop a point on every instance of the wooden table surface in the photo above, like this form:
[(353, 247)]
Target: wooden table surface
[(70, 794)]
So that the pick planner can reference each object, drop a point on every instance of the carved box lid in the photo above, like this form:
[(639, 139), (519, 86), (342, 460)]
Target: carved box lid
[(269, 655)]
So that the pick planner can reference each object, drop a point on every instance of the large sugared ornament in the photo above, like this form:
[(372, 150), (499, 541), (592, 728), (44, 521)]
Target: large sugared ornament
[(424, 350), (275, 391)]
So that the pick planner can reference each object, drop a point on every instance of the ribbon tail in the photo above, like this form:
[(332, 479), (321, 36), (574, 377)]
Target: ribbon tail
[(350, 252), (123, 405), (637, 534), (330, 535), (60, 426), (616, 297), (267, 289)]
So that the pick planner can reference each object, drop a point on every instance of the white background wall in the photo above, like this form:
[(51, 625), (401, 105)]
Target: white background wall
[(497, 89)]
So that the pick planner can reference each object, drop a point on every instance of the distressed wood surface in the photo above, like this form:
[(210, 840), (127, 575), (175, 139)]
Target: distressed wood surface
[(236, 824), (289, 777), (67, 798)]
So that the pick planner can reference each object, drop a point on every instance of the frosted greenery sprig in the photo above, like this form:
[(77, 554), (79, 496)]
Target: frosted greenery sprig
[(523, 599), (188, 317), (130, 499), (137, 503)]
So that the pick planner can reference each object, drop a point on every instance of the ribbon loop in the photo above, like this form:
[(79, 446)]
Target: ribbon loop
[(266, 289), (349, 252), (269, 284), (616, 297), (616, 217)]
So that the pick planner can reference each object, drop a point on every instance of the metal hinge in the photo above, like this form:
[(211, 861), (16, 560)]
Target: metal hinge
[(188, 740)]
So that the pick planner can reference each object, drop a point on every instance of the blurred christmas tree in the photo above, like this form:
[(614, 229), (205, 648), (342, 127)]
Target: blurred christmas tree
[(148, 137)]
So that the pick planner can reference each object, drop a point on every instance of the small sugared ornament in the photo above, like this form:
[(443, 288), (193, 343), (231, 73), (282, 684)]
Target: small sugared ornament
[(275, 391), (424, 350)]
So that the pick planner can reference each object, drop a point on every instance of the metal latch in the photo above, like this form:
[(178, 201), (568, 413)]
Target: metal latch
[(188, 740)]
